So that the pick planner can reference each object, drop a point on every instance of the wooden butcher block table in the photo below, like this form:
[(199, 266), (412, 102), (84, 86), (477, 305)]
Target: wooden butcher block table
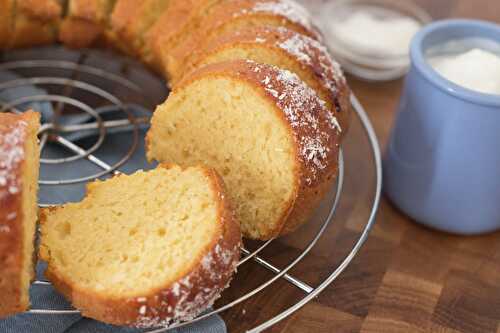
[(406, 278)]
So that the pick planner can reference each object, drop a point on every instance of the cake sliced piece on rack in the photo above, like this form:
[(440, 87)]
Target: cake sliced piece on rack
[(34, 22), (144, 250), (85, 22), (232, 15), (263, 129), (19, 168), (290, 50), (131, 19), (174, 26)]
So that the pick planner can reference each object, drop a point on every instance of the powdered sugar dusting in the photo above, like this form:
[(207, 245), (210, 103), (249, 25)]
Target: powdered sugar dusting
[(11, 157), (334, 123), (316, 55), (297, 47), (287, 8), (194, 293), (314, 150), (312, 53), (306, 113), (11, 152)]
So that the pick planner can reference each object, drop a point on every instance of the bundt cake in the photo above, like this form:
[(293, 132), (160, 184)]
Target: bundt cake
[(144, 250), (265, 131), (85, 22), (255, 98), (33, 22), (286, 49), (131, 19), (19, 167), (228, 16)]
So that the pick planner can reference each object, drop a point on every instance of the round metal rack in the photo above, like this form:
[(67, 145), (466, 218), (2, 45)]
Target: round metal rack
[(65, 73)]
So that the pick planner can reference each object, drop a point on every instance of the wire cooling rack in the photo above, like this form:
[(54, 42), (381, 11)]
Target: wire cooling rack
[(79, 82)]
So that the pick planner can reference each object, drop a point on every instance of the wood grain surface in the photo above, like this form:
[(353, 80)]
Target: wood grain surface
[(406, 278)]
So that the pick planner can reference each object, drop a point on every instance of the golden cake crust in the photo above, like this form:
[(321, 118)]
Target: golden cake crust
[(13, 135), (84, 23), (192, 293), (176, 22), (79, 33), (44, 10), (306, 53), (289, 14), (121, 16), (35, 23), (130, 21), (313, 127), (235, 14), (6, 17), (123, 12)]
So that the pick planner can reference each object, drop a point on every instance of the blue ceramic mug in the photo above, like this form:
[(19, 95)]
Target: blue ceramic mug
[(442, 166)]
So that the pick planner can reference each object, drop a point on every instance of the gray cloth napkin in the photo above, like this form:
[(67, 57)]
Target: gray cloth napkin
[(44, 296)]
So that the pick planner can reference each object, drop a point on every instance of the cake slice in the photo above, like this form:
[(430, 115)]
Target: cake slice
[(233, 15), (286, 49), (174, 25), (34, 22), (131, 19), (19, 168), (263, 129), (85, 22), (144, 250)]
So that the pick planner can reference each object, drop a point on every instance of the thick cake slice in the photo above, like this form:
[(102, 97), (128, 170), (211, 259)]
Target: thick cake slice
[(85, 22), (228, 16), (131, 19), (286, 49), (144, 250), (263, 129), (19, 167), (35, 22)]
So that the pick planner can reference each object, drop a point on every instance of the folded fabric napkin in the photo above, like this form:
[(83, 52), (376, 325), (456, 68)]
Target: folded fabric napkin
[(44, 296)]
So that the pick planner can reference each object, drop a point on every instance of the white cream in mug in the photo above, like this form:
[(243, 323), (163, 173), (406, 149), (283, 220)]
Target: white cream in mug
[(477, 69)]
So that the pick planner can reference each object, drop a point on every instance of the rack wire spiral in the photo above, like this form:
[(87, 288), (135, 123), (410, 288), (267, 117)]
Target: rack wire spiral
[(68, 74)]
